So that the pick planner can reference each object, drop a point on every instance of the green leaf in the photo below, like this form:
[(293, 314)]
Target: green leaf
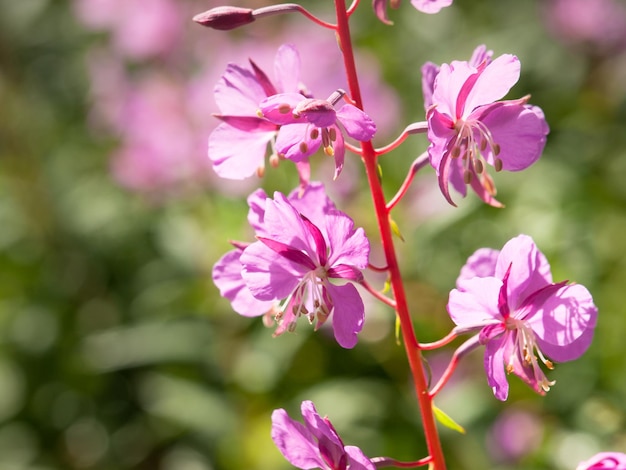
[(395, 229), (447, 421)]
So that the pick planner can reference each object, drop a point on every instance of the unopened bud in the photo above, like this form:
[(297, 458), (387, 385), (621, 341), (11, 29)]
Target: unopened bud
[(225, 18)]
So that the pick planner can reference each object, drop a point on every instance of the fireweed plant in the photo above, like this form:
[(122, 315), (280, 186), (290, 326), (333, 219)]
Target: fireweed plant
[(308, 255)]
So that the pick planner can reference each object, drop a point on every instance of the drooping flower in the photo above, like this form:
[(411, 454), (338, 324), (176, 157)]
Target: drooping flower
[(315, 444), (522, 316), (237, 147), (306, 124), (300, 259), (604, 461), (425, 6), (468, 128)]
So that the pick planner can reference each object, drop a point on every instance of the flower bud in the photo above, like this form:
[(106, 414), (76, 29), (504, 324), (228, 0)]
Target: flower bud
[(225, 18)]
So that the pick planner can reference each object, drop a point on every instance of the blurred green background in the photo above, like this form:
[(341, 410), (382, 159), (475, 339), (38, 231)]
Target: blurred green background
[(116, 351)]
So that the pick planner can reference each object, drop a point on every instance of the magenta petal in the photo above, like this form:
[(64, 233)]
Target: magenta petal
[(440, 134), (278, 108), (477, 305), (320, 428), (348, 313), (482, 263), (604, 461), (430, 6), (494, 82), (295, 143), (287, 68), (295, 441), (227, 278), (347, 245), (520, 131), (312, 202), (563, 320), (380, 9), (357, 124), (494, 367), (339, 149), (268, 276), (429, 72), (238, 92), (237, 154), (530, 270), (256, 212), (358, 460)]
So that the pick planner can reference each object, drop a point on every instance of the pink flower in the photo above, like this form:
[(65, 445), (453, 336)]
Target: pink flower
[(425, 6), (521, 315), (604, 461), (296, 256), (469, 129), (315, 444), (237, 147), (306, 124)]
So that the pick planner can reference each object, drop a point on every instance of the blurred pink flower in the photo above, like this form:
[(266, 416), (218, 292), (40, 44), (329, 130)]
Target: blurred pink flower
[(596, 26), (515, 433), (140, 29)]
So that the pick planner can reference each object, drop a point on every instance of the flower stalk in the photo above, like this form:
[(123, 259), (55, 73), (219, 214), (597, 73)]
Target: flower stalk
[(370, 161)]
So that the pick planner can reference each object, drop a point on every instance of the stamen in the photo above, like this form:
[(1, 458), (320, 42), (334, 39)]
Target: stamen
[(498, 164), (284, 108), (496, 149), (314, 133), (274, 160), (260, 171), (325, 138), (329, 151), (304, 148), (332, 134), (467, 176), (478, 166), (456, 151)]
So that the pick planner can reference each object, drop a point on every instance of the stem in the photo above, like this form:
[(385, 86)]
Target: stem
[(411, 345), (419, 163), (461, 351), (378, 295), (414, 128), (389, 462), (290, 8), (440, 343)]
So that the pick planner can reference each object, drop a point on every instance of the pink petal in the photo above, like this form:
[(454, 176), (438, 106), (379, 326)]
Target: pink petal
[(429, 73), (295, 442), (380, 9), (520, 131), (347, 245), (430, 6), (278, 108), (530, 270), (339, 150), (358, 460), (348, 313), (227, 278), (564, 323), (357, 124), (494, 367), (238, 92), (294, 141), (287, 68), (482, 263), (237, 154), (477, 305), (494, 82)]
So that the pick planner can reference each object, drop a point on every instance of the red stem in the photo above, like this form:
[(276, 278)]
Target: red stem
[(411, 345)]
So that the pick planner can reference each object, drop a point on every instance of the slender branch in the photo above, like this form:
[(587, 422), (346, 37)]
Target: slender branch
[(350, 10), (438, 344), (378, 269), (461, 351), (290, 8), (380, 462), (352, 148), (419, 163), (411, 345), (414, 128), (383, 298)]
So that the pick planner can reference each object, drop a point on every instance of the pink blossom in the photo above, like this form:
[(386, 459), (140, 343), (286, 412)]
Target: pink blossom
[(306, 124), (294, 259), (521, 315), (425, 6), (315, 444), (469, 129), (237, 147), (604, 461)]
